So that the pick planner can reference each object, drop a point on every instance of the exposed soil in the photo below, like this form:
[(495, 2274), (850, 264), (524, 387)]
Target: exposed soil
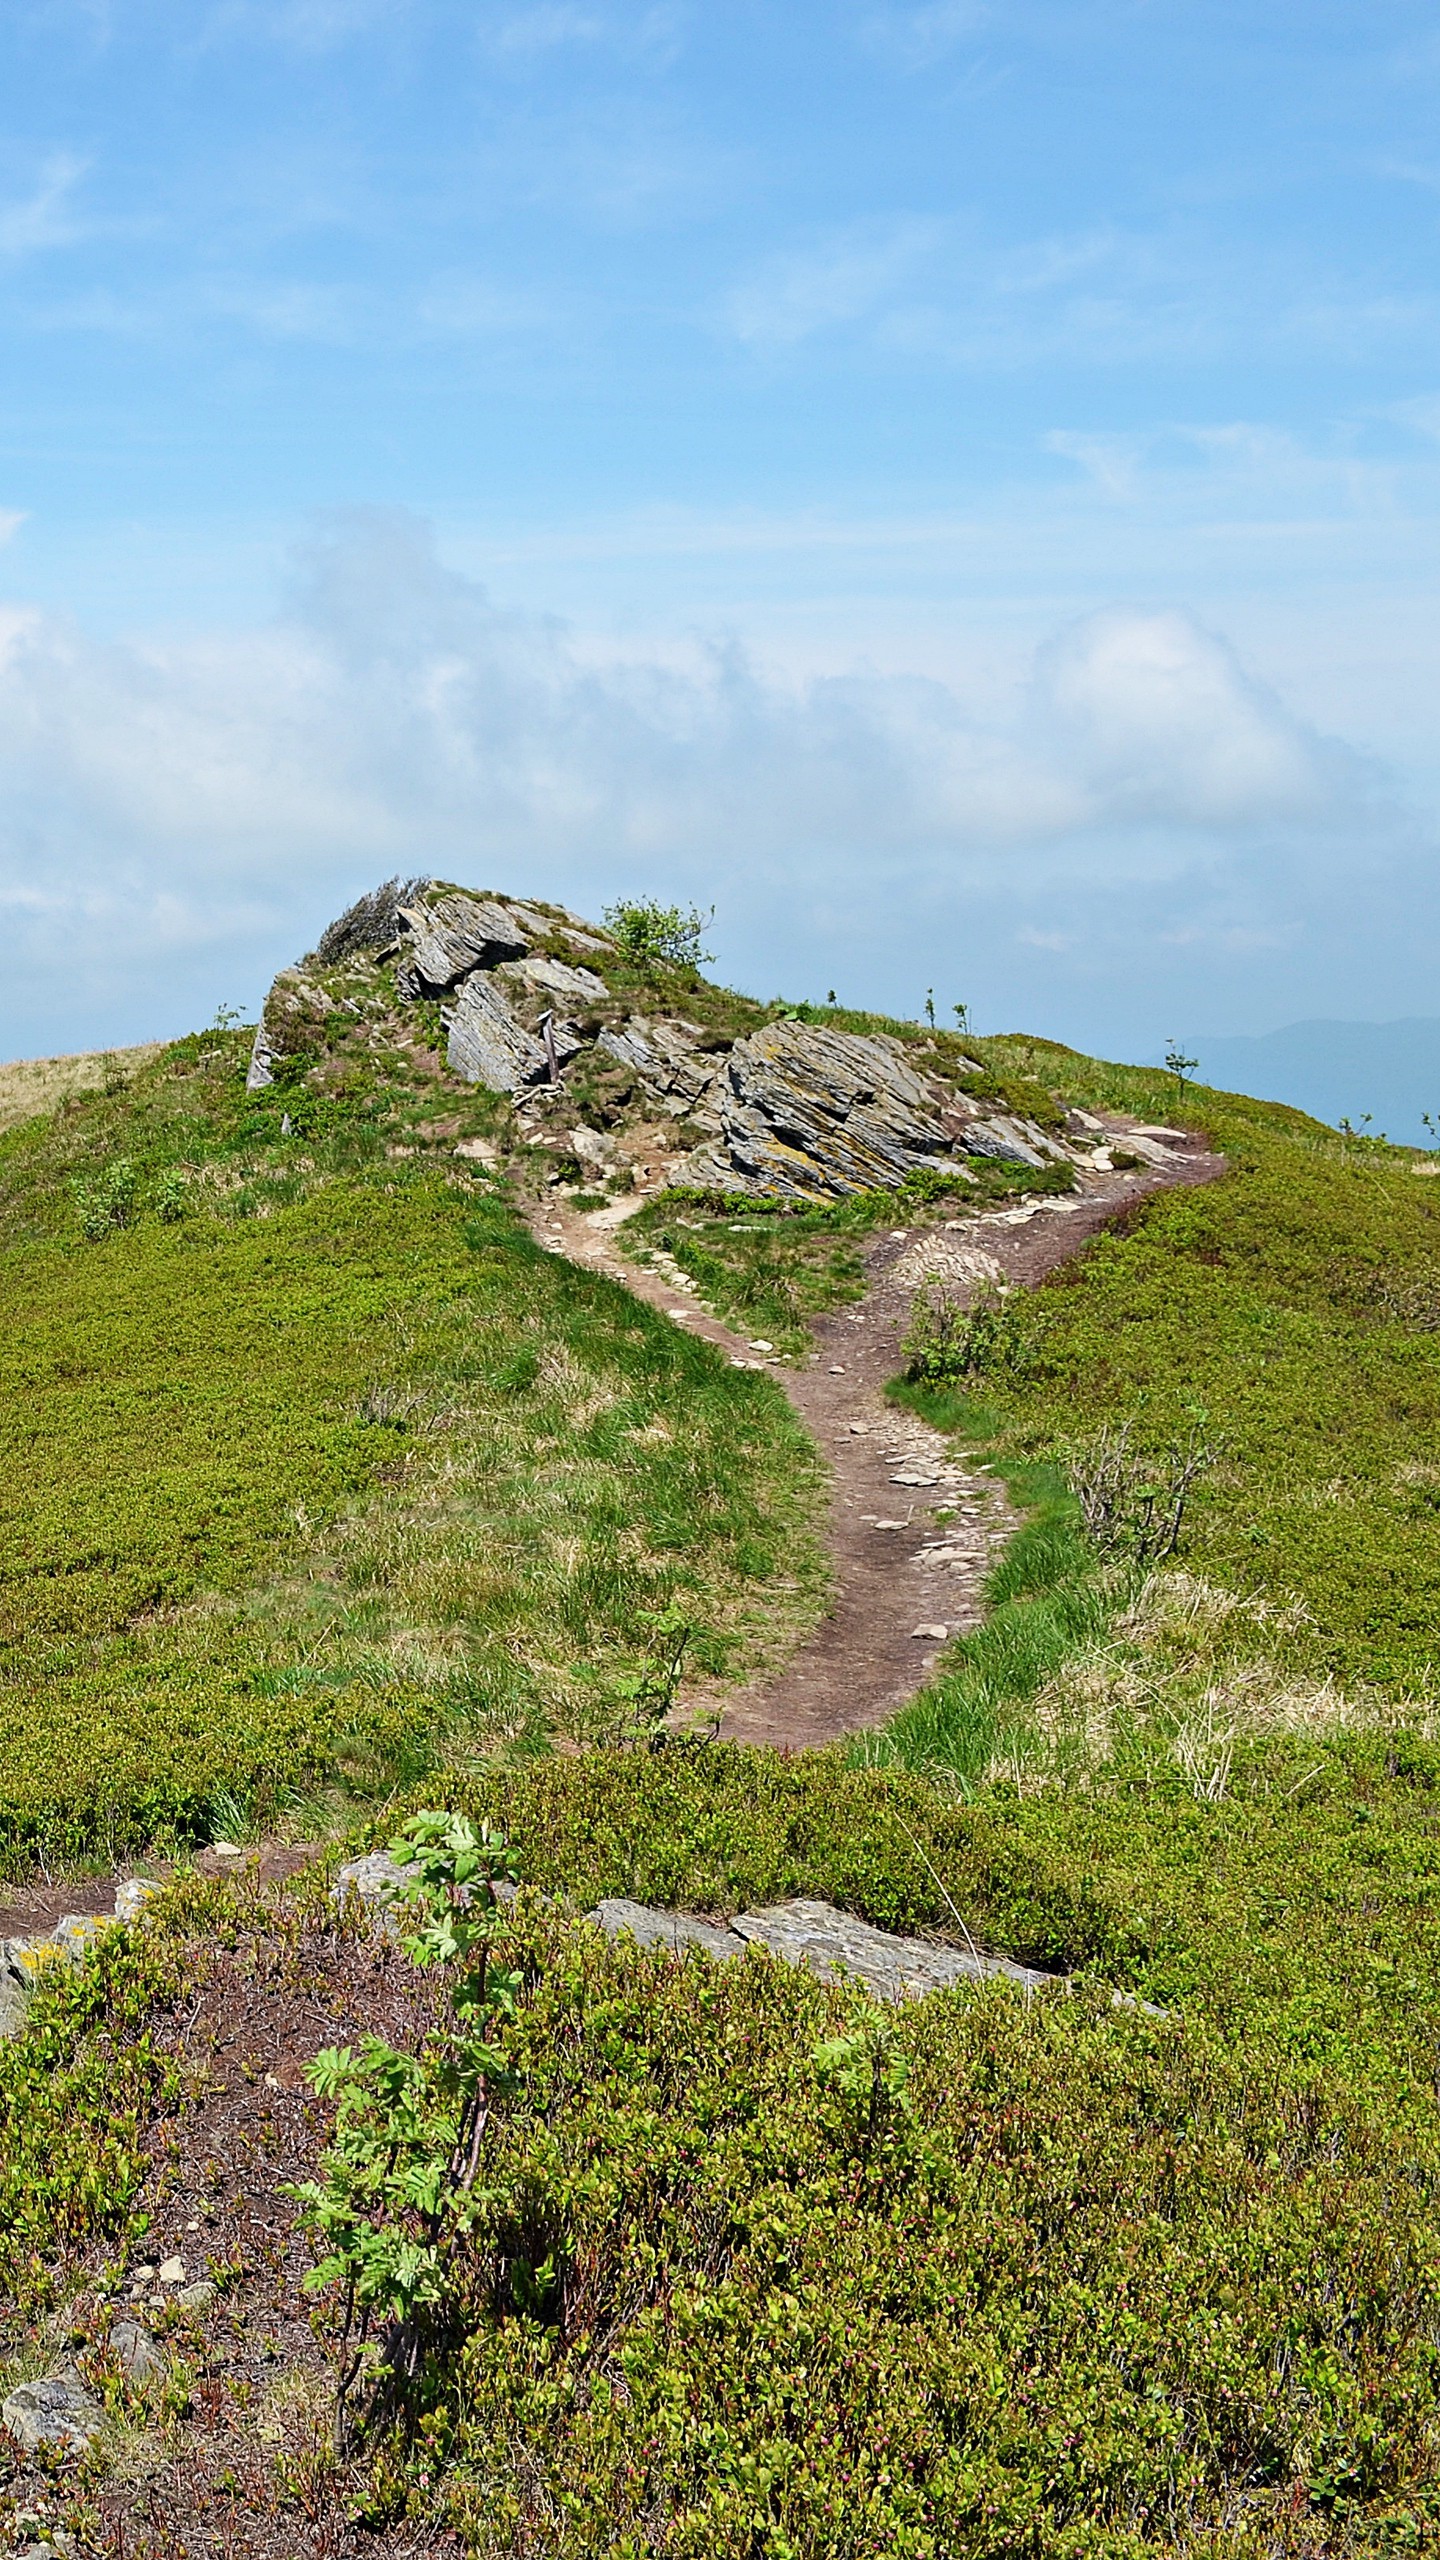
[(909, 1557), (250, 2468)]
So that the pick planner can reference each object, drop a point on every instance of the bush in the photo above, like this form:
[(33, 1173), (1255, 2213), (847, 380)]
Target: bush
[(1133, 1500), (652, 936), (949, 1339), (109, 1201)]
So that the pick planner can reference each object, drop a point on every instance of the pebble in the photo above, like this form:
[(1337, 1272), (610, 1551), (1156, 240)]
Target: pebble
[(938, 1635), (140, 2356)]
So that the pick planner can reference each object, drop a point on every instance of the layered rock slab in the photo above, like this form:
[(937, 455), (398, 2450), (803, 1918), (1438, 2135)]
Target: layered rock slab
[(809, 1114)]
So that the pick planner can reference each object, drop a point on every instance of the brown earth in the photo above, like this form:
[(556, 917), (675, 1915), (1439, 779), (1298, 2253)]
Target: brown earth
[(250, 2467), (908, 1559)]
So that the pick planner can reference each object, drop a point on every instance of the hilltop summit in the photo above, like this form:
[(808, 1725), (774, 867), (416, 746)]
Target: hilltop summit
[(611, 1051)]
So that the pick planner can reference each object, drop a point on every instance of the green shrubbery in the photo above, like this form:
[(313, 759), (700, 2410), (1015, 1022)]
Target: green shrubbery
[(1289, 1301), (764, 1266), (337, 1467)]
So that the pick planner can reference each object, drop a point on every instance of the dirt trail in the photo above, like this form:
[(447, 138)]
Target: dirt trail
[(901, 1574), (905, 1580)]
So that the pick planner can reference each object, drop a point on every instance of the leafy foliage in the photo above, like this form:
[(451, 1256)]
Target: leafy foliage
[(396, 2201), (950, 1338), (651, 935)]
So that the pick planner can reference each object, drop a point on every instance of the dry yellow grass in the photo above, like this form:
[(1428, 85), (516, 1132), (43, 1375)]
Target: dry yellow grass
[(29, 1086)]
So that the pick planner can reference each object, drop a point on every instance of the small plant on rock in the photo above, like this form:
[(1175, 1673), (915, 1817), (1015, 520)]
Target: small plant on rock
[(654, 936)]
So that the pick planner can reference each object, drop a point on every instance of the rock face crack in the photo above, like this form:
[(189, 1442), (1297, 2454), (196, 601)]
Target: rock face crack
[(811, 1114), (452, 935)]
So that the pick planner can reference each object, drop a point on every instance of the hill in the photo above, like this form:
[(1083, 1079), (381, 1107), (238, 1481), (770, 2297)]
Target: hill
[(335, 1496), (1386, 1074)]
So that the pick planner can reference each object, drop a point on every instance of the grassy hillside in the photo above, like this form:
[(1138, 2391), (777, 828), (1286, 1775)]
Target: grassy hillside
[(1289, 1318), (746, 2266), (315, 1466), (752, 2268)]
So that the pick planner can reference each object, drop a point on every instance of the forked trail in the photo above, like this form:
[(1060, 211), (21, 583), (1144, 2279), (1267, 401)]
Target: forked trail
[(904, 1580)]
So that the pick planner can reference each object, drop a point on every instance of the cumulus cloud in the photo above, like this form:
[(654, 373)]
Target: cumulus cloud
[(1161, 722), (172, 806)]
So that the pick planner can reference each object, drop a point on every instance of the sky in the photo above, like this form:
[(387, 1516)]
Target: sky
[(955, 487)]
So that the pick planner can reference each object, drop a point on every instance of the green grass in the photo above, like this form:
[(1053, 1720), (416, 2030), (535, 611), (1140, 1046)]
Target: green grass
[(996, 2274), (1297, 1304), (337, 1471), (1058, 2277), (771, 1270)]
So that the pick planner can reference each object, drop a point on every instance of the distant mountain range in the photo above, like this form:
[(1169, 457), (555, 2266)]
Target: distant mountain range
[(1336, 1070)]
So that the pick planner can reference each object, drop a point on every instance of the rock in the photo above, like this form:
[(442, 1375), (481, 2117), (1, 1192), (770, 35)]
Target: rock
[(261, 1070), (172, 2270), (489, 1046), (57, 2411), (593, 1147), (1009, 1141), (141, 2359), (74, 1936), (450, 935), (477, 1150), (1134, 1142), (15, 1989), (378, 1882), (832, 1943), (932, 1635), (664, 1057), (197, 2296), (671, 1929), (132, 1896), (837, 1946), (552, 978), (813, 1114)]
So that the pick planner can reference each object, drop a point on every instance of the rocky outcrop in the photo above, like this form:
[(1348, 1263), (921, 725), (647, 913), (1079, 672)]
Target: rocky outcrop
[(791, 1110), (489, 1045), (812, 1114), (449, 936), (832, 1943)]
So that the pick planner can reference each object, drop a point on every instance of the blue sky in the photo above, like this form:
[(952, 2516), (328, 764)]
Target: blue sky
[(958, 486)]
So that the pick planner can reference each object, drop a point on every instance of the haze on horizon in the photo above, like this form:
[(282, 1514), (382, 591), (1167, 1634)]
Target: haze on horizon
[(956, 487)]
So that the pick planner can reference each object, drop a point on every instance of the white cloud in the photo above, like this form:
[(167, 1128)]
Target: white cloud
[(845, 276), (167, 804), (43, 219), (1158, 720)]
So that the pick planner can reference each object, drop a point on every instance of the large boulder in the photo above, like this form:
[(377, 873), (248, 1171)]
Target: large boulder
[(813, 1114), (489, 1045), (448, 936)]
